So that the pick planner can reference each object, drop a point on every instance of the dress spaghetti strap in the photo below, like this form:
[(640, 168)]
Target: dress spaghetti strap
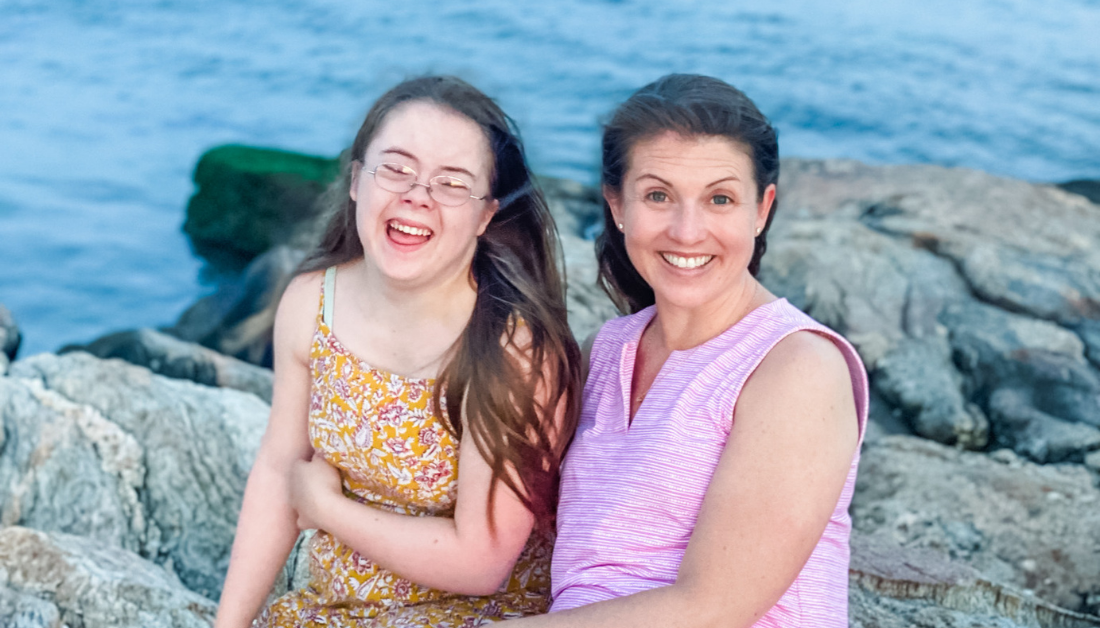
[(328, 296)]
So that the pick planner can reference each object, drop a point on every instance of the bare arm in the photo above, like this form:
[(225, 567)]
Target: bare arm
[(775, 487), (463, 554), (267, 528)]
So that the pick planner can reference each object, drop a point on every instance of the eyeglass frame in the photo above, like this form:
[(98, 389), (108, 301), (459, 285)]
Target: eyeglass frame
[(427, 186)]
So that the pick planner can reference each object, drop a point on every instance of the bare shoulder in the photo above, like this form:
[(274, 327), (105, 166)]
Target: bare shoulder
[(297, 314), (803, 380), (803, 356)]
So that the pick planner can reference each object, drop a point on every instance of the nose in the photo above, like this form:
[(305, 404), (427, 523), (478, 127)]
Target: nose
[(687, 224), (419, 194)]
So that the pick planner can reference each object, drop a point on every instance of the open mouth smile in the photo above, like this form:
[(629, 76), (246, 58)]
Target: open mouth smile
[(687, 263), (403, 233)]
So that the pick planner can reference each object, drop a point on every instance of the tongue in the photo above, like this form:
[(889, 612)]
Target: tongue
[(400, 237)]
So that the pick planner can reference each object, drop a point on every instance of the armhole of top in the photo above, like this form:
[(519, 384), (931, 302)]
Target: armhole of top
[(856, 371), (328, 296)]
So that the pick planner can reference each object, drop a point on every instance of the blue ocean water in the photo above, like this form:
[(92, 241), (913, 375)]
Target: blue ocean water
[(106, 105)]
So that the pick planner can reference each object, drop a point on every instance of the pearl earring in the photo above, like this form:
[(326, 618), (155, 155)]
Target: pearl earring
[(758, 230), (620, 226)]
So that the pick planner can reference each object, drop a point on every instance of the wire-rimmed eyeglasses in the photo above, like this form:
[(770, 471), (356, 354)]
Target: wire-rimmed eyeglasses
[(444, 189)]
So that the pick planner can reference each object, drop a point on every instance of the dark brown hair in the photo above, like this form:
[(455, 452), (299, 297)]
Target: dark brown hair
[(690, 105), (515, 266)]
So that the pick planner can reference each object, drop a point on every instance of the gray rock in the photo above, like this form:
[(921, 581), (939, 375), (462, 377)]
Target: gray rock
[(1089, 188), (578, 215), (150, 464), (915, 379), (1021, 304), (895, 587), (1044, 367), (21, 610), (10, 337), (1035, 434), (67, 468), (1032, 527), (885, 297), (238, 319), (169, 356), (96, 585), (1089, 332), (577, 208), (1058, 288)]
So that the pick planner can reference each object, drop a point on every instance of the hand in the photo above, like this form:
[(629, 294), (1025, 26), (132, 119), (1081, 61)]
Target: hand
[(312, 483)]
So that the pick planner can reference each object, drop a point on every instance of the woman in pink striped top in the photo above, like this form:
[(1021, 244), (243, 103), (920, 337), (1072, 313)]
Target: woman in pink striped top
[(710, 477)]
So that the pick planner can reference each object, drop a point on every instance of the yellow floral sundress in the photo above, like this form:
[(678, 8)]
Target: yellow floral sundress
[(394, 453)]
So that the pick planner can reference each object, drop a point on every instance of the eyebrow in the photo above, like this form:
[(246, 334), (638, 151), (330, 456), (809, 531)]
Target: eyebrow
[(405, 153), (709, 185)]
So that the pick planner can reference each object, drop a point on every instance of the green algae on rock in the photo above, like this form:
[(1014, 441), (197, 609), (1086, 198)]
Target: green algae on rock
[(249, 199)]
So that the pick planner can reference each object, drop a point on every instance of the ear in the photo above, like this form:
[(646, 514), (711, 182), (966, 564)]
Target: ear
[(764, 208), (487, 216), (356, 170), (615, 201)]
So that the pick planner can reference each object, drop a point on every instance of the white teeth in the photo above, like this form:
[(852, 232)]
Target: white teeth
[(409, 230), (686, 262)]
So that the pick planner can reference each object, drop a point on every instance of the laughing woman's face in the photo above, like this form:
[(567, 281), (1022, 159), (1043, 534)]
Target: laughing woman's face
[(409, 236)]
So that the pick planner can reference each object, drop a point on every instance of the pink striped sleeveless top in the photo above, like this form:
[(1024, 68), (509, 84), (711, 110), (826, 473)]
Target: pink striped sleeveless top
[(630, 497)]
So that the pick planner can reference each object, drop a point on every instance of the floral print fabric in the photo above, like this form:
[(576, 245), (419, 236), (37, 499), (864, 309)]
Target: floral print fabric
[(394, 453)]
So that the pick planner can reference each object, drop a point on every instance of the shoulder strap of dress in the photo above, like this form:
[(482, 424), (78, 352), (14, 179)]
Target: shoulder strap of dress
[(328, 296)]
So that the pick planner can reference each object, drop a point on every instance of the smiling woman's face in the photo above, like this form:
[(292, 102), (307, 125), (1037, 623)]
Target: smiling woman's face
[(409, 236), (689, 214)]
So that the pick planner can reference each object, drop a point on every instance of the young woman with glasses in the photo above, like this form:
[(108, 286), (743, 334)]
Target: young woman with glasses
[(431, 321)]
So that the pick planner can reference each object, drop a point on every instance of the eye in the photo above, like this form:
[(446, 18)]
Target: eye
[(721, 199), (657, 196), (451, 182), (395, 171)]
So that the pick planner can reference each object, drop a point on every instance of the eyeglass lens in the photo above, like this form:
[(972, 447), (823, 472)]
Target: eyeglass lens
[(444, 189)]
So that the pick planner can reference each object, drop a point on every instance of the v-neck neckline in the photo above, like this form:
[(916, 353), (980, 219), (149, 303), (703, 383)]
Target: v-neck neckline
[(628, 359)]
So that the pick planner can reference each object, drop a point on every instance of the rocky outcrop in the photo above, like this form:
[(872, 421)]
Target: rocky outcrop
[(954, 285), (169, 356), (9, 338), (52, 579), (239, 318), (250, 199), (112, 452), (1033, 527), (895, 587)]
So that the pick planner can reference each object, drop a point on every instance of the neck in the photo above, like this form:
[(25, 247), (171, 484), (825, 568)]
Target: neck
[(445, 301), (679, 328)]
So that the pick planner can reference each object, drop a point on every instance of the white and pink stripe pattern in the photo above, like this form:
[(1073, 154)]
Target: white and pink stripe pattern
[(630, 495)]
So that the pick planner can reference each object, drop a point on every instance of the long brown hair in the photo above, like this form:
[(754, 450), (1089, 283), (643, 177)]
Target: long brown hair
[(515, 266), (691, 105)]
